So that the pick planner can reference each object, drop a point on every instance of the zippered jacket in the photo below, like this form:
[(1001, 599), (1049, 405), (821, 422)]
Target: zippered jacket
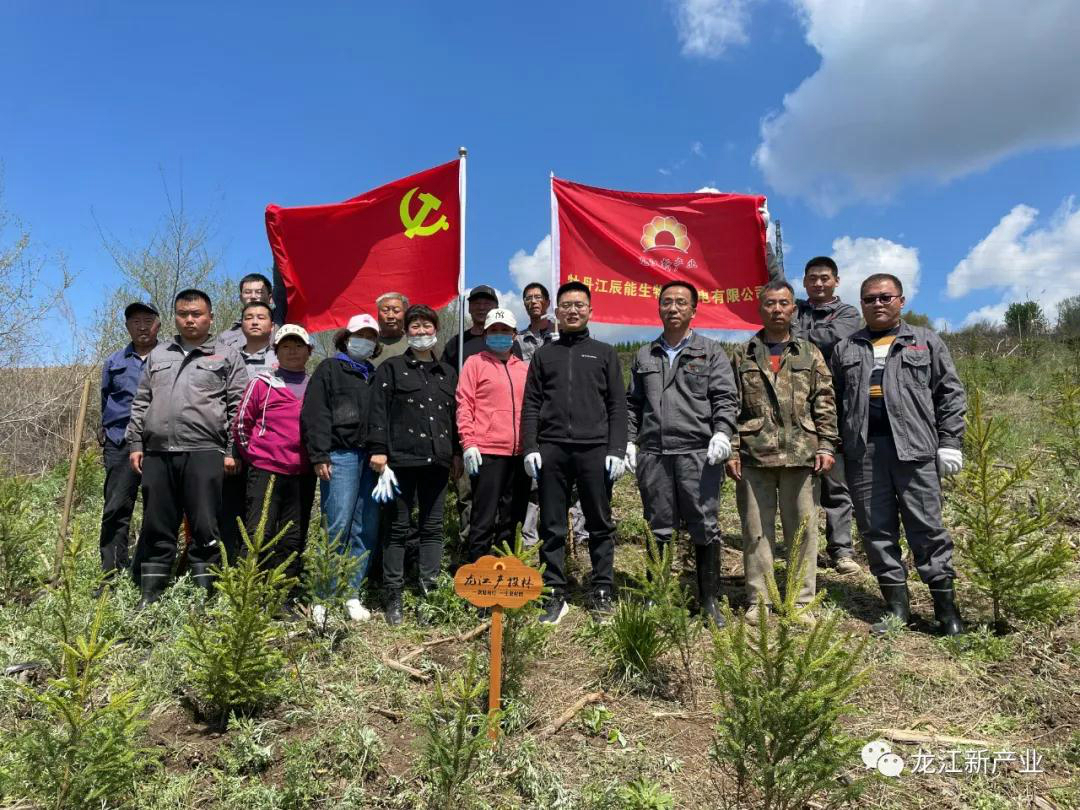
[(412, 412), (924, 397), (490, 394), (678, 409), (267, 427), (187, 402), (336, 407), (575, 394)]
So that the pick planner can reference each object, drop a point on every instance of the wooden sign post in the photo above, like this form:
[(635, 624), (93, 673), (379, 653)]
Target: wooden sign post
[(497, 583)]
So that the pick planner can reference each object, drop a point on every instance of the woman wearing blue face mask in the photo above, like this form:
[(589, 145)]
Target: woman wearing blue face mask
[(489, 398), (333, 425)]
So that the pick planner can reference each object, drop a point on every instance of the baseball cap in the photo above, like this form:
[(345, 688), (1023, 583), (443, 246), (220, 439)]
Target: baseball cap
[(292, 330), (503, 316), (362, 321), (483, 291), (140, 306)]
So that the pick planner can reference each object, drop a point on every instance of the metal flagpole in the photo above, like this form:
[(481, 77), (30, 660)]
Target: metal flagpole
[(779, 247), (462, 154), (554, 280)]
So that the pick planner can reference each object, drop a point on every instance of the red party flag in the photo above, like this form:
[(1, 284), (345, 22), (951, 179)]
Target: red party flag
[(625, 245), (405, 236)]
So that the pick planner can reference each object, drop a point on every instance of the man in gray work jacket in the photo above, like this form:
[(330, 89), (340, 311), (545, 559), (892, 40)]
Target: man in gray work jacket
[(825, 320), (179, 440), (900, 408), (681, 403)]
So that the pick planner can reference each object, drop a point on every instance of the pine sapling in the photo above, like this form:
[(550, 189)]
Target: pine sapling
[(1008, 549), (523, 635), (329, 570)]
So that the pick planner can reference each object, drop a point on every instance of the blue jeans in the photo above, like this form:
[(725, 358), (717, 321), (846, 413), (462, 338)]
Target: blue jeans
[(352, 515)]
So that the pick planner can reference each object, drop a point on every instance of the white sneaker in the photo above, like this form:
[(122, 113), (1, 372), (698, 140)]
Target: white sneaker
[(318, 615), (357, 612)]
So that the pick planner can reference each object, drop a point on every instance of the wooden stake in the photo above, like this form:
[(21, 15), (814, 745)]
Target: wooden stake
[(69, 494), (495, 689)]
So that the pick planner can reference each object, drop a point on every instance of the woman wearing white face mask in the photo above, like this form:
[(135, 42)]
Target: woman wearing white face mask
[(334, 423), (413, 442)]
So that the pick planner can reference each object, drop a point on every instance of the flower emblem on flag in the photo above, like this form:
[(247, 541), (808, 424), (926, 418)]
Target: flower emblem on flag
[(665, 233)]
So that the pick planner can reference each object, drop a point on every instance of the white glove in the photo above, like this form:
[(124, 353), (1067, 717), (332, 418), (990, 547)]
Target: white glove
[(533, 465), (631, 457), (615, 468), (949, 461), (387, 487), (472, 460), (764, 211), (719, 448)]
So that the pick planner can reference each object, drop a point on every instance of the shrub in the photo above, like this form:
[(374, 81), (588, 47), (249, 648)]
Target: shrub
[(524, 637), (1007, 550), (645, 794), (232, 658), (23, 562), (328, 570), (634, 640), (1063, 411), (782, 692)]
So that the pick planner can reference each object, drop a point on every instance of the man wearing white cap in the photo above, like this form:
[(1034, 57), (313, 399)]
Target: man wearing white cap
[(490, 393), (267, 435)]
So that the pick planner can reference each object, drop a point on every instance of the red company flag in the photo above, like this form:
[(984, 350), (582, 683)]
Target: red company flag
[(624, 245), (405, 236)]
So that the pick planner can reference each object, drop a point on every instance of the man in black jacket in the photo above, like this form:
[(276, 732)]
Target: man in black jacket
[(574, 425)]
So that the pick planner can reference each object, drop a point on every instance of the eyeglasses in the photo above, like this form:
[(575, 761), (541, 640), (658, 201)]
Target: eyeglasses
[(678, 303), (580, 306), (528, 299), (884, 298)]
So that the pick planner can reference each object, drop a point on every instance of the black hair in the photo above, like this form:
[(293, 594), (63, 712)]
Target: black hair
[(676, 283), (250, 277), (421, 311), (777, 284), (191, 294), (877, 278), (574, 286), (536, 285), (251, 304), (823, 261)]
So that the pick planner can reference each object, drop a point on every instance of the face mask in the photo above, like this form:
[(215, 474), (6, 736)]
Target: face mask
[(422, 342), (359, 348), (499, 343)]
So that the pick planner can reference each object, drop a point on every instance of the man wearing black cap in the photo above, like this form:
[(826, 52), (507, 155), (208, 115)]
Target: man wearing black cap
[(119, 378), (482, 300)]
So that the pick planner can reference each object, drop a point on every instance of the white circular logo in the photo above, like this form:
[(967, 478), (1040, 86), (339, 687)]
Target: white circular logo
[(878, 754)]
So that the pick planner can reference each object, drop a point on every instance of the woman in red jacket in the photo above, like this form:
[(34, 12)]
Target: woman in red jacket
[(267, 432), (489, 398)]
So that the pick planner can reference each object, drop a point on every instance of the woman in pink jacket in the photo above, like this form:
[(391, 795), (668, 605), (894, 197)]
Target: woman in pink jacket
[(489, 397), (267, 431)]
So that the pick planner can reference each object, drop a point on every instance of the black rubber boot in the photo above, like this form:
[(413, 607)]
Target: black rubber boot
[(394, 611), (948, 617), (897, 603), (203, 577), (153, 580), (706, 558)]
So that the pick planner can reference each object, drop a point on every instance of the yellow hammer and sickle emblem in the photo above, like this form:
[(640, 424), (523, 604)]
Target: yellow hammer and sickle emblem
[(414, 224)]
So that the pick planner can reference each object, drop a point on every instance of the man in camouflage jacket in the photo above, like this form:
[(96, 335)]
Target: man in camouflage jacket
[(785, 438)]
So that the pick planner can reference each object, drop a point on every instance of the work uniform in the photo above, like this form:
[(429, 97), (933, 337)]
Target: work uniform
[(899, 399), (574, 416), (120, 374), (787, 415)]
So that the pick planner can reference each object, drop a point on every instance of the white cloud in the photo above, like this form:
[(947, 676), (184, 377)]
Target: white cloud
[(862, 256), (535, 266), (708, 27), (1024, 262), (920, 90)]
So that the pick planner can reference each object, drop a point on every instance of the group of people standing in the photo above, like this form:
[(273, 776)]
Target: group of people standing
[(531, 427)]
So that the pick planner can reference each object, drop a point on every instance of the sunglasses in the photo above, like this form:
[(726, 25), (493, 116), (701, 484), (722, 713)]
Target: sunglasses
[(884, 298)]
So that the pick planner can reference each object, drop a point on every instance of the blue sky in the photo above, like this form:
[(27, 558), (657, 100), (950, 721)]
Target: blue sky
[(898, 137)]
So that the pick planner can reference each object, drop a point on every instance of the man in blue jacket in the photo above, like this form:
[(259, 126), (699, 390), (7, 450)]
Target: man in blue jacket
[(120, 375)]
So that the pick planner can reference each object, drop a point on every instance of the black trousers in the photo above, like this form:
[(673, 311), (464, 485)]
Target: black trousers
[(500, 496), (175, 485), (290, 505), (563, 465), (121, 491), (424, 488), (233, 511)]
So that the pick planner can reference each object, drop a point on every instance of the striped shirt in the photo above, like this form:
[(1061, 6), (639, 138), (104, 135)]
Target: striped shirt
[(879, 416)]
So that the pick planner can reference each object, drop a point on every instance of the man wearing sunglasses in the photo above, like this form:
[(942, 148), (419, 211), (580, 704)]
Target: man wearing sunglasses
[(900, 407)]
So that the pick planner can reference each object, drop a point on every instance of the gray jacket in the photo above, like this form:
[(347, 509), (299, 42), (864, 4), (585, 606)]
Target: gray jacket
[(677, 410), (188, 402), (923, 395)]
